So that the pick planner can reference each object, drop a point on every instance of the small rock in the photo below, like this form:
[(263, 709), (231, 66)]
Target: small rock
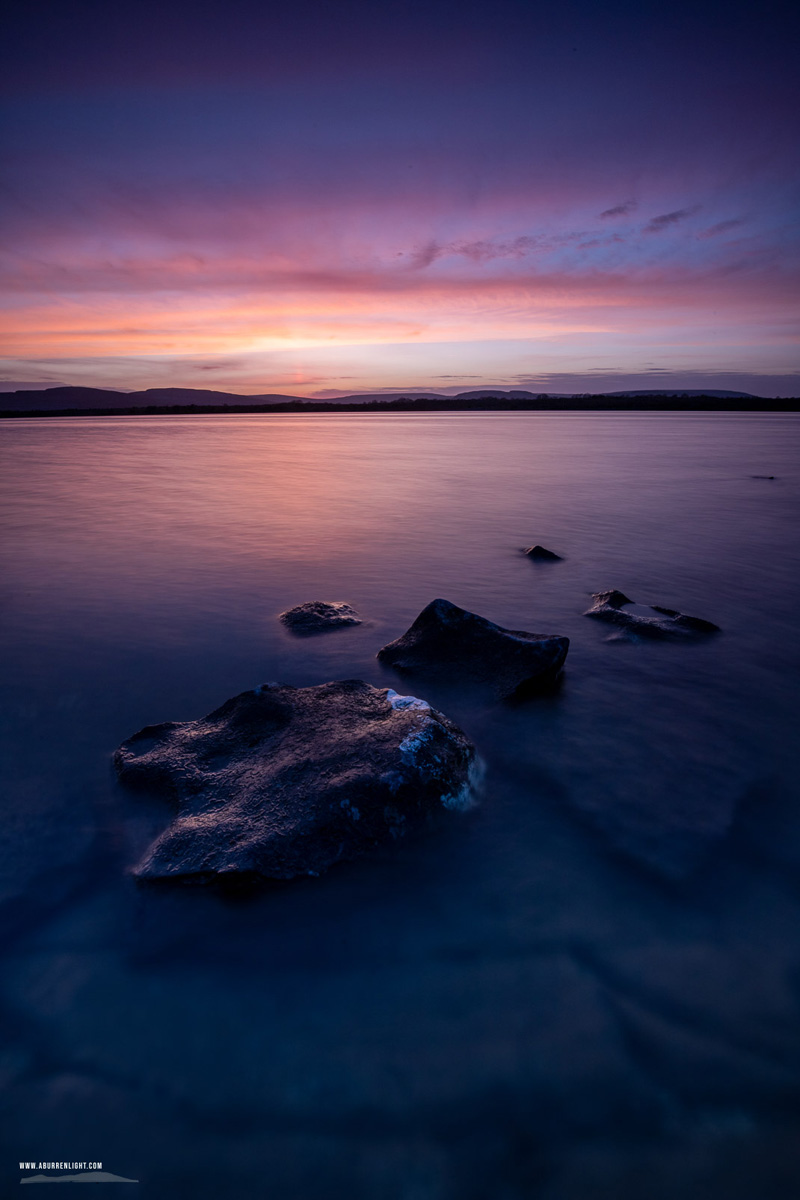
[(285, 781), (317, 616), (447, 640), (664, 623), (539, 554)]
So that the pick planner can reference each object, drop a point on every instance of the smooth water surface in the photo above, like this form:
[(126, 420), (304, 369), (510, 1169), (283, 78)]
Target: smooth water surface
[(588, 986)]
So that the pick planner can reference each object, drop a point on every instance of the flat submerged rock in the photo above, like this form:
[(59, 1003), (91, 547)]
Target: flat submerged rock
[(446, 640), (651, 621), (318, 616), (285, 781)]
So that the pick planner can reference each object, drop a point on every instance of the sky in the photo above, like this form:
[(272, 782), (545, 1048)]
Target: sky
[(322, 199)]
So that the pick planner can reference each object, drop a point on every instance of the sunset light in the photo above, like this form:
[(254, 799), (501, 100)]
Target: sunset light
[(551, 191), (399, 497)]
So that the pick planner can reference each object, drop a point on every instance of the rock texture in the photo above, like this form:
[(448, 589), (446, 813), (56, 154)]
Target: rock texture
[(447, 640), (317, 616), (612, 605), (540, 554), (284, 781)]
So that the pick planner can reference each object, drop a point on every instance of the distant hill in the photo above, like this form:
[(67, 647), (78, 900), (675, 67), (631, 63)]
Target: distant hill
[(578, 395), (60, 398), (76, 400), (675, 392), (85, 397), (503, 394), (375, 397)]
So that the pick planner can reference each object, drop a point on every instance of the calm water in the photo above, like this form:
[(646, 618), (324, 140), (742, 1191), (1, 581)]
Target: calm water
[(587, 987)]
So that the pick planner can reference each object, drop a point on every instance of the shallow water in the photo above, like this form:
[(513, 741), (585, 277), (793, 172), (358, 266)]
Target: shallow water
[(588, 986)]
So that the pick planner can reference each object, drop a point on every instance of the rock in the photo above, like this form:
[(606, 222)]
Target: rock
[(317, 616), (539, 554), (285, 781), (447, 640), (664, 623)]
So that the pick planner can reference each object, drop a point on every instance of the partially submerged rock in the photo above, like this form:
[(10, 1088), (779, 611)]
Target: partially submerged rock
[(285, 781), (652, 620), (540, 554), (447, 640), (317, 616)]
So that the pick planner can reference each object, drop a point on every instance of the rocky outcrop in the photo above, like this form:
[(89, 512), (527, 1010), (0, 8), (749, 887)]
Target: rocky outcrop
[(285, 781), (540, 554), (317, 616), (652, 620), (449, 641)]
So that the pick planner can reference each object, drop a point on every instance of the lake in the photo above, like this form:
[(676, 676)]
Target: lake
[(587, 986)]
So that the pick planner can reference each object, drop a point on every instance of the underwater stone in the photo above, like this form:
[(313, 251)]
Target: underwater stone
[(664, 623), (285, 781), (317, 616)]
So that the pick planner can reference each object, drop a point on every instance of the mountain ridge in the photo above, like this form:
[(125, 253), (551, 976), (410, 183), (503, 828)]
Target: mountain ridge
[(63, 399), (79, 401)]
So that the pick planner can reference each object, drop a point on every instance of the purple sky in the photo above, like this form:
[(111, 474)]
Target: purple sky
[(341, 198)]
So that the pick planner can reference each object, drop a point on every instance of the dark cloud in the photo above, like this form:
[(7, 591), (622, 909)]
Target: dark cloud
[(665, 220), (620, 210), (423, 256), (484, 251)]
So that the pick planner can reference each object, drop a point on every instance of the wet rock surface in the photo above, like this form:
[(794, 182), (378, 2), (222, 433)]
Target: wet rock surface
[(446, 640), (318, 616), (285, 781), (540, 554), (652, 620)]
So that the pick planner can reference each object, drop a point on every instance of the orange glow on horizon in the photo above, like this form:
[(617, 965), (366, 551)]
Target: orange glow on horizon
[(185, 324)]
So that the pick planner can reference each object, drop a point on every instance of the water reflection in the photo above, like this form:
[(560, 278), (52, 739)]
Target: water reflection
[(586, 982)]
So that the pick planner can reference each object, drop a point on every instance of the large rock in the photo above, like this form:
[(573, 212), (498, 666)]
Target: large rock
[(646, 620), (449, 641), (541, 554), (317, 616), (285, 781)]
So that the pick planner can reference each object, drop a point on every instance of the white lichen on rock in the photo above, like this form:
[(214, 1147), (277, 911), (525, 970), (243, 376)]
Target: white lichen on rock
[(404, 702)]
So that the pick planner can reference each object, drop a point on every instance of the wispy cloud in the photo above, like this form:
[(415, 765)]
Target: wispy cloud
[(666, 220), (486, 251), (721, 227), (620, 210), (423, 256), (483, 250), (593, 243)]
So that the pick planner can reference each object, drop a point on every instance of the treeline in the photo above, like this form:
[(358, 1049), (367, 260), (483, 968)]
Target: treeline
[(584, 403)]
